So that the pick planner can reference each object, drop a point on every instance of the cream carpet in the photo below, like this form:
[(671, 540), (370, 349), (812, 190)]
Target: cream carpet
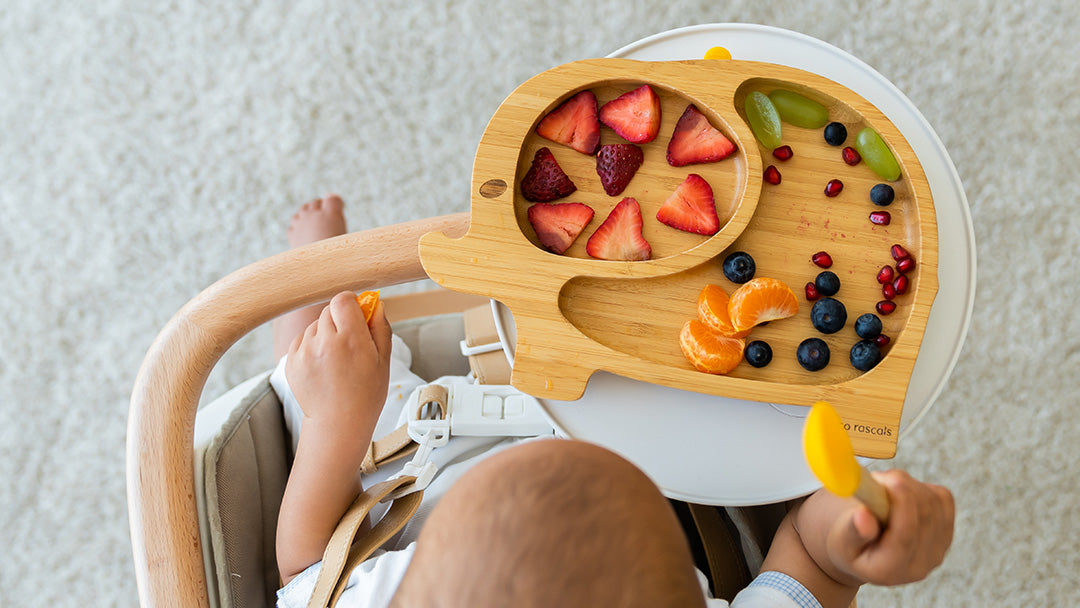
[(147, 149)]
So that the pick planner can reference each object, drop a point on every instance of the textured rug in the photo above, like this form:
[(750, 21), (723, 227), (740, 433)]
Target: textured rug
[(148, 149)]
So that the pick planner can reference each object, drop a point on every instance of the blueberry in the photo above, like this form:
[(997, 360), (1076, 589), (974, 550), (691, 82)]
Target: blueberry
[(758, 353), (868, 326), (865, 355), (827, 283), (882, 195), (828, 315), (835, 134), (813, 354), (739, 267)]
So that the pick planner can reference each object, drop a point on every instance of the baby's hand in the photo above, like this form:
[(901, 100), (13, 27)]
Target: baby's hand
[(912, 543), (339, 368)]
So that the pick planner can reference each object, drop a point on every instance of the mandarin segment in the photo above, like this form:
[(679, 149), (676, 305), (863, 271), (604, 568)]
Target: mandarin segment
[(709, 351), (713, 311), (368, 301), (761, 300)]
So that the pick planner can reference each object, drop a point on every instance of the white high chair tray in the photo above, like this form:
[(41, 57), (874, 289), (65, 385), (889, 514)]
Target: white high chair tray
[(714, 450)]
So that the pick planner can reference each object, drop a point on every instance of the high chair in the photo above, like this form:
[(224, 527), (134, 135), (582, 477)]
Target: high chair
[(203, 494)]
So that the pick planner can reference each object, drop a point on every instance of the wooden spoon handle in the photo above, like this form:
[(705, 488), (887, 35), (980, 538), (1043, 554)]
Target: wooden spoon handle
[(873, 495)]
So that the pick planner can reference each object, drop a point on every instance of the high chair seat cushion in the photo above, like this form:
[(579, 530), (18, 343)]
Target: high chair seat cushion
[(242, 460)]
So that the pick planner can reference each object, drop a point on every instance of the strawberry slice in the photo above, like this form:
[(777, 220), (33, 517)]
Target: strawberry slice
[(691, 207), (616, 165), (635, 116), (557, 225), (619, 237), (696, 141), (545, 180), (574, 123)]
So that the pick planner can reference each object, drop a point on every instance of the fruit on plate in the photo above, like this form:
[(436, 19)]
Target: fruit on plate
[(368, 301), (822, 259), (772, 175), (691, 207), (759, 301), (739, 267), (616, 165), (881, 218), (634, 116), (850, 156), (545, 180), (763, 118), (798, 110), (695, 140), (864, 355), (828, 315), (835, 134), (812, 354), (758, 353), (827, 283), (877, 155), (882, 195), (713, 311), (709, 351), (833, 187), (783, 153), (619, 237), (868, 326), (557, 225), (575, 123)]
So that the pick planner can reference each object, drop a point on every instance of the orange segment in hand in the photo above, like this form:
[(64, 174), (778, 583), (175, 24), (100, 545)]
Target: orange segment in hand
[(712, 306), (761, 300), (709, 351), (368, 301)]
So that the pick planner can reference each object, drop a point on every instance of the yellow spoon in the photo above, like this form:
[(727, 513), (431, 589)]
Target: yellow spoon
[(831, 458)]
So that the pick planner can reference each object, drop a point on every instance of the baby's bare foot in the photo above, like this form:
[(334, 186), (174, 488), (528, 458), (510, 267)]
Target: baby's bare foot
[(319, 219), (322, 218)]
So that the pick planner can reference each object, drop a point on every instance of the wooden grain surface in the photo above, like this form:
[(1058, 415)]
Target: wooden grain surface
[(575, 315)]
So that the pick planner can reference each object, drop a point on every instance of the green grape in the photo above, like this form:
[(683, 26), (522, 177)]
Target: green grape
[(877, 155), (798, 110), (763, 118)]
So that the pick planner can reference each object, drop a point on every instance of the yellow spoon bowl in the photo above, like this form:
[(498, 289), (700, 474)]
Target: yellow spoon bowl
[(831, 458)]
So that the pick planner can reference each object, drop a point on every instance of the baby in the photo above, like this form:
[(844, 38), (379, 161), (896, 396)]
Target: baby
[(541, 523)]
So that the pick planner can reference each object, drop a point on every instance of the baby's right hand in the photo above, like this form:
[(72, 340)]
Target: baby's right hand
[(339, 368), (913, 542)]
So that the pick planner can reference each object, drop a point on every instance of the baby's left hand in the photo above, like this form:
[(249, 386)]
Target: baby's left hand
[(339, 368)]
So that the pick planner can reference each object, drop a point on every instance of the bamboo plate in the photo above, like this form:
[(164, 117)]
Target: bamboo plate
[(575, 315)]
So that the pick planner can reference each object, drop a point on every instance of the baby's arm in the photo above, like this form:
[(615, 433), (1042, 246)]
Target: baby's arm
[(833, 545), (339, 371)]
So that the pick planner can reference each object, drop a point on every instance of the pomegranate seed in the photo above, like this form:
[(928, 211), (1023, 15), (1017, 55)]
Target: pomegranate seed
[(850, 156), (899, 252), (772, 175), (822, 259), (881, 340), (900, 284), (783, 153), (833, 187), (888, 291), (885, 307), (811, 292), (881, 218), (905, 264), (885, 275)]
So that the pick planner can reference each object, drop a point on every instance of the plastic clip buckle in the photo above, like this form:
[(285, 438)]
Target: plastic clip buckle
[(428, 435)]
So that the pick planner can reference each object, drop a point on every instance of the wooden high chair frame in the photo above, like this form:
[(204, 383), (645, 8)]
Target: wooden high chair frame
[(160, 474)]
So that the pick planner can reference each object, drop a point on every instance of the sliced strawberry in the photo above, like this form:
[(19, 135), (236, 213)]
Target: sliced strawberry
[(616, 165), (619, 237), (691, 207), (545, 180), (635, 116), (696, 141), (558, 224), (574, 123)]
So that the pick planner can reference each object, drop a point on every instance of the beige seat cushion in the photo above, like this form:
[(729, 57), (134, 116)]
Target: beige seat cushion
[(245, 464)]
